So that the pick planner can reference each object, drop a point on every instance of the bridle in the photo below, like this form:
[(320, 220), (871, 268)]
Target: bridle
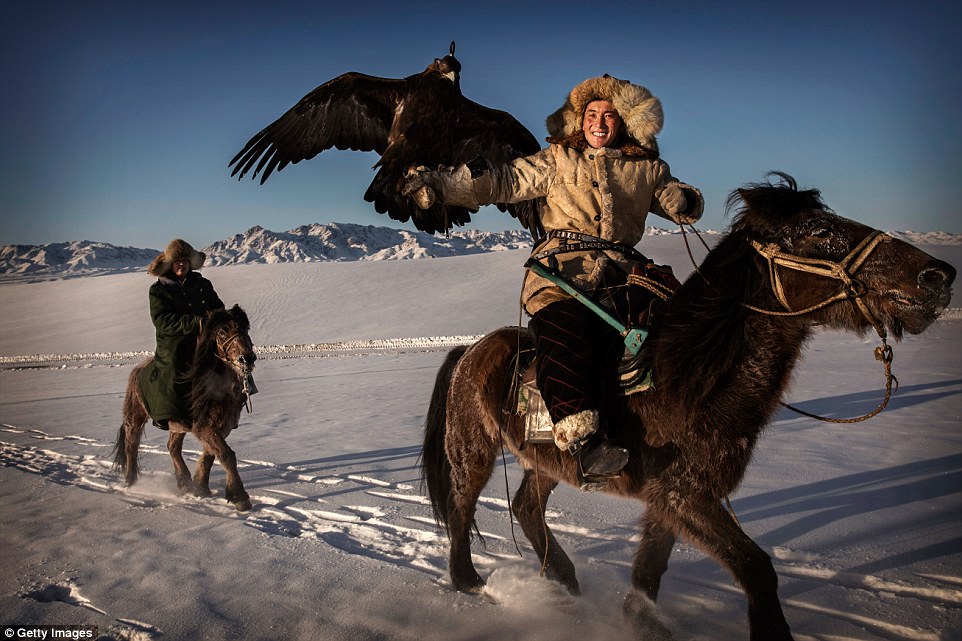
[(843, 271), (853, 289), (246, 368)]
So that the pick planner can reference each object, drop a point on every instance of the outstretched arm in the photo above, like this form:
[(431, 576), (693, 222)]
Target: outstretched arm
[(478, 183)]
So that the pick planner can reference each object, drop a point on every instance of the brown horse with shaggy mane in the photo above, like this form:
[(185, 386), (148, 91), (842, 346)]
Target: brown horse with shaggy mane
[(722, 351), (220, 386)]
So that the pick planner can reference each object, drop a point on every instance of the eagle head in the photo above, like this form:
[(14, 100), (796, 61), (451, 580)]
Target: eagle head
[(448, 66)]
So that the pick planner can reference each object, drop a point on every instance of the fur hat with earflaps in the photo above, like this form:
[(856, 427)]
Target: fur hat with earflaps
[(177, 250), (639, 110)]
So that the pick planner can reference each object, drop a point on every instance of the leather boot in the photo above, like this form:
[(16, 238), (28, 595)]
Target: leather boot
[(599, 457)]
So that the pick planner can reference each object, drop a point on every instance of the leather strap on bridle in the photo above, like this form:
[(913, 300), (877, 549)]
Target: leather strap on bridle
[(843, 270), (247, 390), (854, 290)]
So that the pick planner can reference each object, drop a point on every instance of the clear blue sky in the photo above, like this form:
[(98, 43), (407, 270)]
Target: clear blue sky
[(119, 118)]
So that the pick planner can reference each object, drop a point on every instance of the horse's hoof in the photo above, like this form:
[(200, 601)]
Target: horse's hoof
[(202, 493), (644, 618), (243, 506), (475, 585)]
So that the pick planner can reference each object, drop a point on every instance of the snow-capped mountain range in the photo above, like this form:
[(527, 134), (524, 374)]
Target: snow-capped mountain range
[(331, 242), (73, 258), (316, 242), (343, 241)]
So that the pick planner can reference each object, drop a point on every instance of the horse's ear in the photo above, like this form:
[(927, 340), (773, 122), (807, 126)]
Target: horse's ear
[(239, 314), (741, 201), (751, 198)]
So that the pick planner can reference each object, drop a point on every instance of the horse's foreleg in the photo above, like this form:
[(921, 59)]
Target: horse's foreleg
[(528, 506), (651, 561), (216, 444), (175, 446), (202, 473), (651, 558), (710, 527)]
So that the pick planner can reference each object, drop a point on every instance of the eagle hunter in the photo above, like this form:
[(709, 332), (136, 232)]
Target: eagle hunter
[(420, 120)]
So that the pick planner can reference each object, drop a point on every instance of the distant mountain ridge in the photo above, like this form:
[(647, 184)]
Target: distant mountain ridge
[(77, 257), (345, 241), (307, 243)]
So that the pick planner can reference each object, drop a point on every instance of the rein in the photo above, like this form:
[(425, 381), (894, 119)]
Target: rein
[(853, 290)]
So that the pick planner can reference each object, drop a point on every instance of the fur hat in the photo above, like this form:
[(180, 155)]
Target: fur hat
[(177, 250), (639, 110)]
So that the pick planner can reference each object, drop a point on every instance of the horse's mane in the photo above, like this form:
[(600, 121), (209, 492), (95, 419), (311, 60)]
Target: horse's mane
[(205, 355), (703, 330)]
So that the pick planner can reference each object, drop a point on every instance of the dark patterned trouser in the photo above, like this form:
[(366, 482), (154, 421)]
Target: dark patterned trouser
[(577, 352)]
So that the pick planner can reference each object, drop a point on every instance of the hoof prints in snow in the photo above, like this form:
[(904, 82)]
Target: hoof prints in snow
[(355, 529), (68, 592), (399, 530)]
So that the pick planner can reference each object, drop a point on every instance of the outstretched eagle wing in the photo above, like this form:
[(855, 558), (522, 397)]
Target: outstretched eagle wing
[(462, 132), (499, 138), (419, 120), (352, 111)]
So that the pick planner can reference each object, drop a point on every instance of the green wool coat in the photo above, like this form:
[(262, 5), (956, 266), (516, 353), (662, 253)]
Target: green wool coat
[(176, 310)]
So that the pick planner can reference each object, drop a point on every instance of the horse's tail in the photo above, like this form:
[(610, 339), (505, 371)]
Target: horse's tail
[(120, 450), (128, 436), (125, 451), (435, 466)]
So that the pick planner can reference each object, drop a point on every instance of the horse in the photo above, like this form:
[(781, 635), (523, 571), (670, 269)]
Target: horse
[(721, 352), (220, 386)]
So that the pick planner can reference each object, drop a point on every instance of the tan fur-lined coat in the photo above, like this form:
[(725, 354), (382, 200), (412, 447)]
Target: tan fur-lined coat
[(602, 192)]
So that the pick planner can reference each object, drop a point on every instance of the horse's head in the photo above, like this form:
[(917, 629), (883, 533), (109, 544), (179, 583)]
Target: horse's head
[(842, 273), (226, 336)]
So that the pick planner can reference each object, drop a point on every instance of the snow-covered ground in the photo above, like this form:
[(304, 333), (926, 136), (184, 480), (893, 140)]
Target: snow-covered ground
[(863, 521)]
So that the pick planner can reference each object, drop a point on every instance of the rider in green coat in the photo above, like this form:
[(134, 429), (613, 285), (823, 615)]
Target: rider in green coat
[(179, 302)]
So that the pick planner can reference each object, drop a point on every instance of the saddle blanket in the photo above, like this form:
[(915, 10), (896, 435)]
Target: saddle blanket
[(633, 377)]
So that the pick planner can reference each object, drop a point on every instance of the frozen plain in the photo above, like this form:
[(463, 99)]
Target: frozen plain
[(862, 521)]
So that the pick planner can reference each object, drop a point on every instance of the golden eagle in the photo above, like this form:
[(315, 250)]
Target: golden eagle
[(419, 120)]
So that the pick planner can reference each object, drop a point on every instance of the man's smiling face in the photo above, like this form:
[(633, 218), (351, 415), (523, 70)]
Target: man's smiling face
[(601, 123)]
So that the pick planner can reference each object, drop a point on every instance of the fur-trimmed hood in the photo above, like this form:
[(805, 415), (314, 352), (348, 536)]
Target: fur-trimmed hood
[(177, 249), (640, 111)]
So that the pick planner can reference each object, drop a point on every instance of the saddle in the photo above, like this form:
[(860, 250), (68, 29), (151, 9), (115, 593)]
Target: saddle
[(634, 376), (647, 286)]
